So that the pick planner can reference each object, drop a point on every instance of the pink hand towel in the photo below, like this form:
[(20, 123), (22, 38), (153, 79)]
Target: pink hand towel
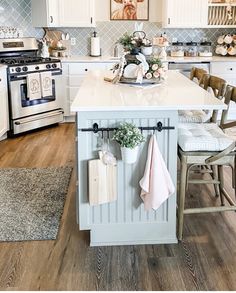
[(157, 185)]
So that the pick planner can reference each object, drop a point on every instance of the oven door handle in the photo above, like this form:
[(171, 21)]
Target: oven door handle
[(25, 121), (23, 77)]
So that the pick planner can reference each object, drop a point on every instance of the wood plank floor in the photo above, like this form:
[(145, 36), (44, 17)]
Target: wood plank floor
[(205, 260)]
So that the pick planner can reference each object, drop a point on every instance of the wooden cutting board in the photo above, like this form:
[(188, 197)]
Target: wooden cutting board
[(53, 35), (102, 182)]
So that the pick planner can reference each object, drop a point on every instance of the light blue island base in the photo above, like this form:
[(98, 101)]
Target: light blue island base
[(125, 221)]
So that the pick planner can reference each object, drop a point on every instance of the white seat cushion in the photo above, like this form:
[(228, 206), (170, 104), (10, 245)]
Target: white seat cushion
[(194, 116), (202, 137)]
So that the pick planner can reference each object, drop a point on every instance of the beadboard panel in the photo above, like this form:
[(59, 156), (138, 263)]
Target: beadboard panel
[(128, 210)]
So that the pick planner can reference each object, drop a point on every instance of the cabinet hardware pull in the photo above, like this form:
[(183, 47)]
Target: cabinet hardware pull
[(169, 20), (86, 69), (91, 20), (0, 79), (51, 17)]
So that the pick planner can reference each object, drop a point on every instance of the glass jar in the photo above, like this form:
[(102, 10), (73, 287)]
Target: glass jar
[(191, 49), (177, 49), (205, 49)]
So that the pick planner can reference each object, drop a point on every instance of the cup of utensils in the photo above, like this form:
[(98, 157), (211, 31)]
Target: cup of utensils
[(226, 45)]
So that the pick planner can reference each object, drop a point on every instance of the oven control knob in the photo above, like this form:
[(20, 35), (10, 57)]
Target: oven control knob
[(37, 68), (48, 66), (18, 69), (54, 65), (25, 68)]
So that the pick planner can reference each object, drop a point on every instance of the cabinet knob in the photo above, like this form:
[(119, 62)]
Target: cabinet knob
[(51, 17), (86, 69), (0, 79)]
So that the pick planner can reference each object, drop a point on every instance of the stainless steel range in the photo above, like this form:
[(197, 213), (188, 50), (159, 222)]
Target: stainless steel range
[(29, 111)]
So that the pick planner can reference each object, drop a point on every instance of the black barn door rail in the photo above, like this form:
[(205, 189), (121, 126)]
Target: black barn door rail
[(159, 127)]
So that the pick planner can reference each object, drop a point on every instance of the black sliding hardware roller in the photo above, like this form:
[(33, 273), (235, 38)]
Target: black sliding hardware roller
[(159, 126), (95, 128)]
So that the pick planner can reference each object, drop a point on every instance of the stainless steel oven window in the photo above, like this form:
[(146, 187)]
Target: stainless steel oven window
[(26, 102)]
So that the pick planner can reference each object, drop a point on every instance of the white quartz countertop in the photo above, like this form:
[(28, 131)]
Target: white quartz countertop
[(109, 59), (176, 93)]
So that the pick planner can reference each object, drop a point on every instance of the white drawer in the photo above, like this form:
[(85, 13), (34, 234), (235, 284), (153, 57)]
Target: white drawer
[(223, 68), (83, 68)]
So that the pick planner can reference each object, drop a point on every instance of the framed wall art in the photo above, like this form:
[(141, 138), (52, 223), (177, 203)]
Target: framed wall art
[(129, 9)]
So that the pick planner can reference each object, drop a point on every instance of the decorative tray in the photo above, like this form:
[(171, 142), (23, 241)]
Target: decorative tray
[(145, 81)]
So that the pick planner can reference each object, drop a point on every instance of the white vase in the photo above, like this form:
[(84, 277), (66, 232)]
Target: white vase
[(147, 51), (129, 156)]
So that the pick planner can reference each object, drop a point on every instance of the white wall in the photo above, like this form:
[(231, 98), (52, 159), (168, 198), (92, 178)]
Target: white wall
[(103, 10)]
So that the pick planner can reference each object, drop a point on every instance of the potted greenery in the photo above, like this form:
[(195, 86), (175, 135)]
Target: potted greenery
[(135, 43), (129, 137)]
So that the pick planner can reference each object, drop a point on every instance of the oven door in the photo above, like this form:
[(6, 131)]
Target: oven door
[(22, 106)]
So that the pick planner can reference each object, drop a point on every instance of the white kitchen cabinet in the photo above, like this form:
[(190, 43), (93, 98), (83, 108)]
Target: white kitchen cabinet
[(227, 71), (74, 74), (218, 16), (77, 13), (63, 13), (45, 13), (185, 13), (3, 103)]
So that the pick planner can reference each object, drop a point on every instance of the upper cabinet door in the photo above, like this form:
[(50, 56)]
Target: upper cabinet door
[(76, 13), (53, 13), (63, 13), (45, 13), (185, 13)]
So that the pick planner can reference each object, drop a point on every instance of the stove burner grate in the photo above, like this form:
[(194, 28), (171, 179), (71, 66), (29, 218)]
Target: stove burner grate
[(24, 60)]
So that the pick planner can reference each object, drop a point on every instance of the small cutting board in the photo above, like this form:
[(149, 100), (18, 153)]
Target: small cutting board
[(102, 182)]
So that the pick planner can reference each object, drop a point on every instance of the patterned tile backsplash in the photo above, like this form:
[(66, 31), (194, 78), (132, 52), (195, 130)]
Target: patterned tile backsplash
[(17, 13)]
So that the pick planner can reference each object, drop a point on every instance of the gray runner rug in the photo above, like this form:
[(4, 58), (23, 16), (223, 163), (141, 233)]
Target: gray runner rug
[(32, 202)]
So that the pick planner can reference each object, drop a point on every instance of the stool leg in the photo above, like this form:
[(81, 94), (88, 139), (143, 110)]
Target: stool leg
[(215, 177), (221, 177), (182, 191)]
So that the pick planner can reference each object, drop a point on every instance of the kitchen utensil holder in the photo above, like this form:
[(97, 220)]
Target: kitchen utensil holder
[(159, 127)]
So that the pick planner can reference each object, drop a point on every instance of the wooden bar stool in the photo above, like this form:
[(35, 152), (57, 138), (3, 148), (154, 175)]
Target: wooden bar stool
[(197, 74), (205, 144), (217, 87), (213, 84), (195, 116)]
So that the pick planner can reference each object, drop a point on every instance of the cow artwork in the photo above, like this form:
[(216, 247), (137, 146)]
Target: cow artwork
[(129, 9)]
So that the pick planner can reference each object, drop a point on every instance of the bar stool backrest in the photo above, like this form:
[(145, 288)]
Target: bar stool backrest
[(198, 73), (230, 96), (217, 86)]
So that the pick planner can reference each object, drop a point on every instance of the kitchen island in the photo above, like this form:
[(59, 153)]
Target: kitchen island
[(125, 222)]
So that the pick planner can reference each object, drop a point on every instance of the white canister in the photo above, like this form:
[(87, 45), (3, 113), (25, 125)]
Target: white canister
[(129, 156), (147, 51)]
